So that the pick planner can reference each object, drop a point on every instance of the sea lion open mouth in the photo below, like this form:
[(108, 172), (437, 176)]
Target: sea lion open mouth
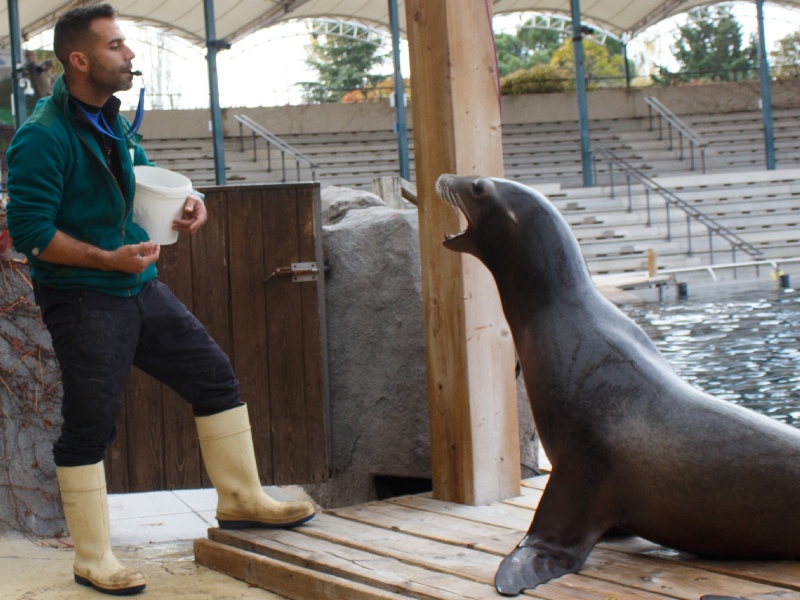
[(444, 189), (477, 199)]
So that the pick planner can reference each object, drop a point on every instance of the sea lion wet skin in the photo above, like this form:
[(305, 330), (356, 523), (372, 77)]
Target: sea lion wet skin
[(631, 444)]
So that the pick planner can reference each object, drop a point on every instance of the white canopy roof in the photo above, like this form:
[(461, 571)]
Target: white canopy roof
[(237, 18)]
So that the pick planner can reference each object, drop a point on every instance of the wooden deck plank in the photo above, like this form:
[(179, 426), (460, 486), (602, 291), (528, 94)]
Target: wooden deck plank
[(782, 573), (282, 578), (675, 580), (423, 524), (468, 563), (641, 572), (426, 549), (381, 572), (463, 562), (498, 513), (501, 514), (308, 551), (529, 499), (536, 483)]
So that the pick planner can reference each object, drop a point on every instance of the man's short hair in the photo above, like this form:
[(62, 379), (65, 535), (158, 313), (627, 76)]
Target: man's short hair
[(74, 28)]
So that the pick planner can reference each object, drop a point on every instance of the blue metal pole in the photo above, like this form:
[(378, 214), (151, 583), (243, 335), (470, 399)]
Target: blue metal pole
[(627, 64), (580, 88), (213, 46), (17, 92), (766, 93), (401, 128)]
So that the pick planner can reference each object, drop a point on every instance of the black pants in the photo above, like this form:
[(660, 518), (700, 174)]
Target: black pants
[(98, 337)]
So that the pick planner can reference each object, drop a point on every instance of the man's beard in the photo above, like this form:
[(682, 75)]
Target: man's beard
[(109, 80)]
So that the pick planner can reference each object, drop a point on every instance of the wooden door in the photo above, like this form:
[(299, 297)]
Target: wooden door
[(236, 275)]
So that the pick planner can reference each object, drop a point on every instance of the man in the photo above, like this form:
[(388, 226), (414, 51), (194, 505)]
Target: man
[(71, 187)]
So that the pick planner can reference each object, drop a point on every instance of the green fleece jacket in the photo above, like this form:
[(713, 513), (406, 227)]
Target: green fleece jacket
[(58, 180)]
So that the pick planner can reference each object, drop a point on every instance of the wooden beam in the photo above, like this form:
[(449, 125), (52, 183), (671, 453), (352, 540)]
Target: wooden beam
[(470, 353)]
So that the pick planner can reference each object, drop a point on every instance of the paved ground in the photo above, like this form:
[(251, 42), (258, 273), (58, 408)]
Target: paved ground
[(152, 532)]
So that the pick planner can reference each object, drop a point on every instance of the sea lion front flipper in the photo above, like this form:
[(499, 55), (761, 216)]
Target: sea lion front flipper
[(565, 528), (533, 563)]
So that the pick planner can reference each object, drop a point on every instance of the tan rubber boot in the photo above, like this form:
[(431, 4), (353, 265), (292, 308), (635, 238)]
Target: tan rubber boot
[(83, 494), (227, 448)]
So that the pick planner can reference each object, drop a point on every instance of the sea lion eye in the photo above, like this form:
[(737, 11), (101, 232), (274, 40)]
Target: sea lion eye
[(477, 187)]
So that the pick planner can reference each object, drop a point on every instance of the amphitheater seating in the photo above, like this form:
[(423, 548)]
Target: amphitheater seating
[(763, 207)]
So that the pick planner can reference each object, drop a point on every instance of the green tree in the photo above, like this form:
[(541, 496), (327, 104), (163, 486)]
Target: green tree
[(709, 46), (786, 56), (603, 69), (526, 48), (343, 64)]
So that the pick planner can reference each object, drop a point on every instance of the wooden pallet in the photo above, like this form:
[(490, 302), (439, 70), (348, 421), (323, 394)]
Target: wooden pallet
[(418, 547)]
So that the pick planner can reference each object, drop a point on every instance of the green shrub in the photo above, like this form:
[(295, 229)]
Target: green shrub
[(539, 79)]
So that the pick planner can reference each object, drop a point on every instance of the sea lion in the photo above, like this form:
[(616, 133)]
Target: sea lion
[(632, 445)]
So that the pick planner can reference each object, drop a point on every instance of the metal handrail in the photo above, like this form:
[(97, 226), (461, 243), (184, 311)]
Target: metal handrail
[(671, 199), (272, 139), (775, 263), (654, 104)]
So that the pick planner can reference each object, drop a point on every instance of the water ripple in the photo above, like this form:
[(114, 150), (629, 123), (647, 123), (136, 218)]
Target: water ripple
[(745, 351)]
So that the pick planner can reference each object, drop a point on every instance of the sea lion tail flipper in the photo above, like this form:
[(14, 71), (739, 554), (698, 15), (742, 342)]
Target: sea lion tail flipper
[(531, 564)]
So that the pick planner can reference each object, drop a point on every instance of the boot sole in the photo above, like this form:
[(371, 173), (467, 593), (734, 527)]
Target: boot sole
[(245, 524), (129, 591)]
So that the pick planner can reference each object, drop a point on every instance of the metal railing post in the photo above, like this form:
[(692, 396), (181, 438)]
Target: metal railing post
[(689, 234), (669, 222), (630, 196), (711, 246), (611, 175)]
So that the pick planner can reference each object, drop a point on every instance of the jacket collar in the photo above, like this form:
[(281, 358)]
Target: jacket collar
[(62, 97)]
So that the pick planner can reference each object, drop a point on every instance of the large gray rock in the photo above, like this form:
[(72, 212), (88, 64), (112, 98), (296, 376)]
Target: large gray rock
[(337, 201), (376, 354)]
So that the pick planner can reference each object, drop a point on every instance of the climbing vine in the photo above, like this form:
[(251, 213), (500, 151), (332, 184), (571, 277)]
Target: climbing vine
[(30, 396)]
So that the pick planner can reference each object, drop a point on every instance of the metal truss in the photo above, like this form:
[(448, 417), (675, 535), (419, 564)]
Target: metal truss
[(347, 29), (563, 25)]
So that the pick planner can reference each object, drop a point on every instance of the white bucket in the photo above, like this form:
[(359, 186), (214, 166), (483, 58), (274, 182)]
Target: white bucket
[(158, 201)]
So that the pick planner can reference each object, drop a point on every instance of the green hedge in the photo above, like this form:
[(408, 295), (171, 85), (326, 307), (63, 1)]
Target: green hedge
[(539, 79)]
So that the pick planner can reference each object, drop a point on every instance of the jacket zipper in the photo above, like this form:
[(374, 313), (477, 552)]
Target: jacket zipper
[(116, 184)]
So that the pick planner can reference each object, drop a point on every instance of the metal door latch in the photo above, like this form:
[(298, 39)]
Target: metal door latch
[(300, 272)]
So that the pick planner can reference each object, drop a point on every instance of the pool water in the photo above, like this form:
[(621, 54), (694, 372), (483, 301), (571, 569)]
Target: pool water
[(744, 350)]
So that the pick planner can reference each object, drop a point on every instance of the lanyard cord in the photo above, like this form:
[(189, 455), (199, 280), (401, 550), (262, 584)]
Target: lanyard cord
[(98, 121)]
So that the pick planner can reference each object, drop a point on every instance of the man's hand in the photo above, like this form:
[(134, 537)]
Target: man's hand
[(194, 215), (134, 258)]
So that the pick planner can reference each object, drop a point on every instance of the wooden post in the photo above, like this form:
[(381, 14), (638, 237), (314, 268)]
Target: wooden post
[(470, 352)]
